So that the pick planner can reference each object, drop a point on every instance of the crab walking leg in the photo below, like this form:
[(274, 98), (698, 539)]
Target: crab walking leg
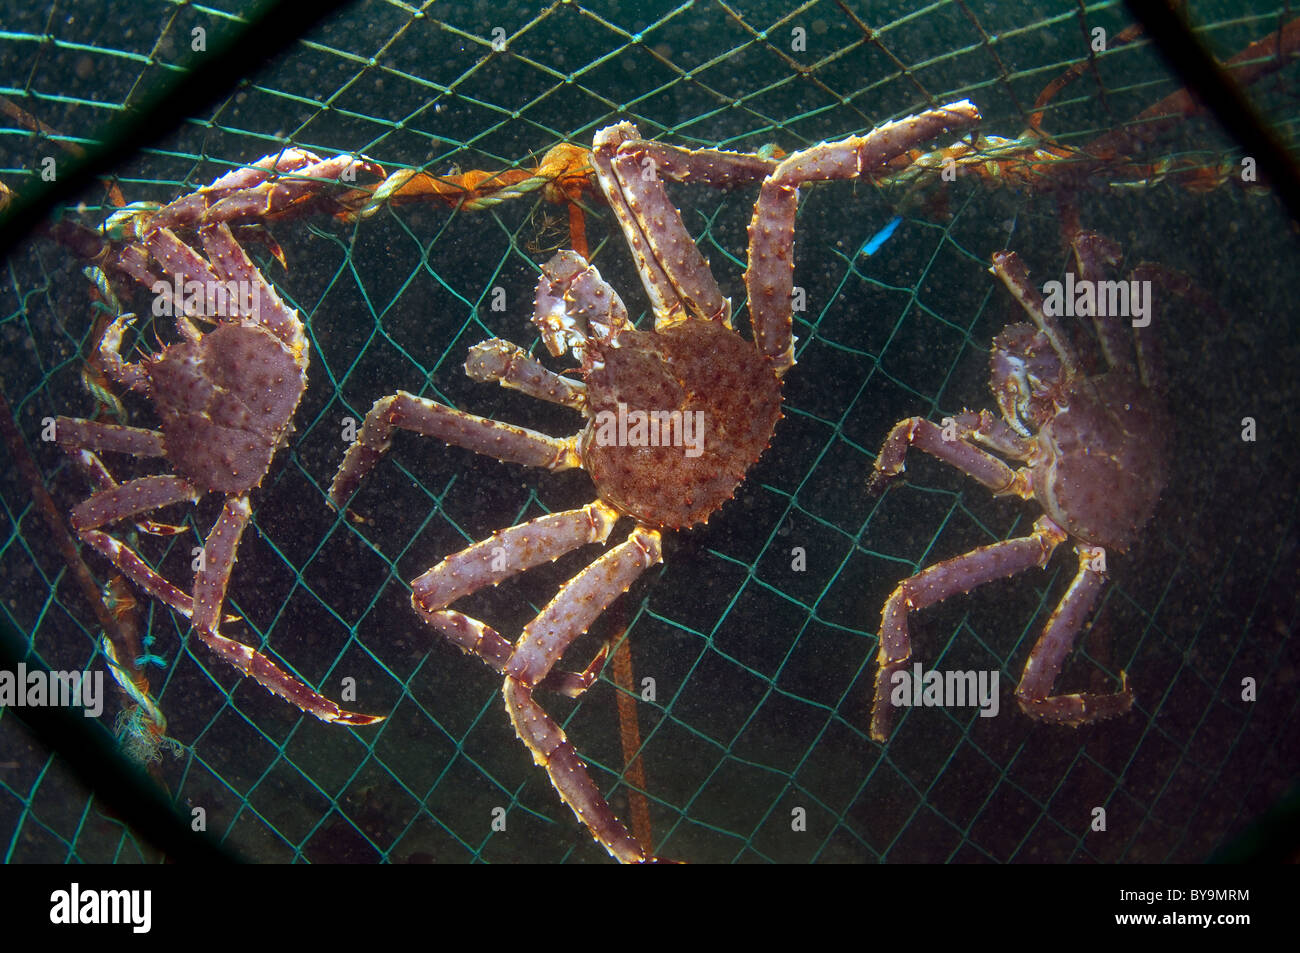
[(976, 463), (128, 499), (994, 433), (139, 572), (715, 167), (1011, 271), (487, 563), (188, 209), (272, 197), (938, 582), (183, 266), (76, 434), (769, 279), (568, 773), (233, 264), (674, 273), (404, 411), (1049, 652), (579, 602), (209, 594), (542, 643), (1092, 254), (509, 365)]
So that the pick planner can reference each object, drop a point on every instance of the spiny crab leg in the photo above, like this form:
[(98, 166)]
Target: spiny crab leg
[(403, 411), (1049, 652), (769, 279), (674, 273), (491, 561), (715, 167), (125, 500), (116, 438), (938, 582), (231, 262), (1092, 254), (248, 194), (209, 594), (1012, 272), (188, 209), (974, 462), (543, 641), (147, 493), (509, 365)]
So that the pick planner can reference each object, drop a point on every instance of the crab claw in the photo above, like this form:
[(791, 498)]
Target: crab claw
[(574, 305)]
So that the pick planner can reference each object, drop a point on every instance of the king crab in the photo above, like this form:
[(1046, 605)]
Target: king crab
[(226, 397), (1095, 452), (693, 363)]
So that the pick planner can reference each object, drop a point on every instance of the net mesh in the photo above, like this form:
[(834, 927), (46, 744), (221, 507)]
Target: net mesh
[(761, 659)]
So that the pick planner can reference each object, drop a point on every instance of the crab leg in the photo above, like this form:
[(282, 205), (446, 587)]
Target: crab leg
[(404, 411), (489, 562), (509, 365), (715, 167), (188, 209), (976, 463), (182, 265), (209, 594), (271, 198), (769, 279), (76, 434), (674, 273), (231, 262), (1049, 652), (1009, 268), (138, 571), (128, 499), (1092, 253), (995, 433), (541, 644), (938, 582), (130, 376)]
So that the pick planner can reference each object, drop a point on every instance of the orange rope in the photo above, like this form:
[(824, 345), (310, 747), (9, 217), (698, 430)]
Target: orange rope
[(630, 736)]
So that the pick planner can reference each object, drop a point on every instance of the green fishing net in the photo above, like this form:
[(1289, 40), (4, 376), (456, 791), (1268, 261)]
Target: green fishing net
[(752, 646)]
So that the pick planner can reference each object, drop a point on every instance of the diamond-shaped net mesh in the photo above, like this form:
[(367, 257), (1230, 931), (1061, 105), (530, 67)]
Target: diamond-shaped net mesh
[(762, 670)]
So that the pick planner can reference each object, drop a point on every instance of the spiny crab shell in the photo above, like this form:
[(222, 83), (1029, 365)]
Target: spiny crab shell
[(1092, 435), (226, 403), (698, 368)]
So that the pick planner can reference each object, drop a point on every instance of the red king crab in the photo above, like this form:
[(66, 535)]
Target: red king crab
[(1095, 453), (225, 397), (692, 371)]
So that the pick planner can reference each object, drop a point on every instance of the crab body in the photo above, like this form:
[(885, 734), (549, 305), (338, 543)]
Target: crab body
[(226, 402), (1099, 442)]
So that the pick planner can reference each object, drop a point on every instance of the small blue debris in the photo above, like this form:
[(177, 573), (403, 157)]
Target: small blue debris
[(882, 236)]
